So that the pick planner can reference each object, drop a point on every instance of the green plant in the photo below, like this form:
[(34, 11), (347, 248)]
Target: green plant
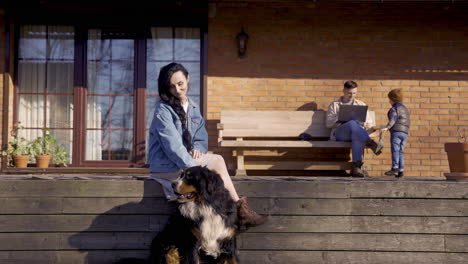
[(461, 135), (48, 145), (17, 145), (60, 156), (44, 145)]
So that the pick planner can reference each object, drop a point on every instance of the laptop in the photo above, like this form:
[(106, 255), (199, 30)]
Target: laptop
[(352, 112)]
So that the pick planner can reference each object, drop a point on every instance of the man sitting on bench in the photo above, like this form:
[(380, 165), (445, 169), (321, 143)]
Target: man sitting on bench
[(353, 130)]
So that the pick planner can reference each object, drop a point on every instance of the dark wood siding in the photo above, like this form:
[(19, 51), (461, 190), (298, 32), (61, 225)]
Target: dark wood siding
[(312, 220)]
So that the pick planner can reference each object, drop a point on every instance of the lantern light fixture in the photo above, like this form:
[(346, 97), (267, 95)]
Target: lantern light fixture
[(242, 38)]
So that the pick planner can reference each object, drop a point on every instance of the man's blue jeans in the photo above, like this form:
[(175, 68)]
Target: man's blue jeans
[(398, 141), (352, 131)]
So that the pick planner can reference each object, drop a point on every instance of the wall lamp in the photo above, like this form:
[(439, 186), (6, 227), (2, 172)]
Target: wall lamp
[(242, 38)]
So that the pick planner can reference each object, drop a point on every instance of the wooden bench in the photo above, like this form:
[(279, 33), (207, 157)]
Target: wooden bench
[(253, 130)]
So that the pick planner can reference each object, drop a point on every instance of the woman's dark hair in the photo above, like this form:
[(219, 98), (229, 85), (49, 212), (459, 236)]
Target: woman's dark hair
[(164, 86)]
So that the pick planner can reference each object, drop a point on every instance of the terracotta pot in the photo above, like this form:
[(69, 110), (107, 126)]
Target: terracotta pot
[(21, 161), (457, 154), (42, 161)]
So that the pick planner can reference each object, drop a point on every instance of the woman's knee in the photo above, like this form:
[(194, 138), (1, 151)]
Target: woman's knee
[(217, 162), (217, 159)]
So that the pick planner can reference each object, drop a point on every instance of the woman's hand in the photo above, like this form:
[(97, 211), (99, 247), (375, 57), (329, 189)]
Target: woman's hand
[(195, 154)]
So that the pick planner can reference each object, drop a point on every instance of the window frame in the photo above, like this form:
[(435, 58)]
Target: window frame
[(139, 96), (138, 93), (45, 94)]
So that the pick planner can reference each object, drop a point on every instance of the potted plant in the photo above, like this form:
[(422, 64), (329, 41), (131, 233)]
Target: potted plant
[(42, 148), (457, 154), (60, 157), (18, 150)]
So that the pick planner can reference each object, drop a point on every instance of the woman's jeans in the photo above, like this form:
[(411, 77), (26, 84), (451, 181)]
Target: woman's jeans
[(352, 131), (398, 141)]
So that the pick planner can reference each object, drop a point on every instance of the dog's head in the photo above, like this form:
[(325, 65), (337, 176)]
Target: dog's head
[(197, 184)]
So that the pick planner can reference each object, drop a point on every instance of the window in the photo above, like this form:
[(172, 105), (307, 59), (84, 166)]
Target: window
[(109, 104), (45, 81), (165, 46), (110, 83)]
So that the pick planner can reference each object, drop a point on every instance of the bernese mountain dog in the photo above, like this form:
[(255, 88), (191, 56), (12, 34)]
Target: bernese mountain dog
[(203, 229)]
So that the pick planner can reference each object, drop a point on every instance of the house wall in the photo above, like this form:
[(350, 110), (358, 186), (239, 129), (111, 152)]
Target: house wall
[(300, 53)]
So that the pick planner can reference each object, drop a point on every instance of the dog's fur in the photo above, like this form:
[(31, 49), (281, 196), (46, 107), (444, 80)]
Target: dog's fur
[(203, 228)]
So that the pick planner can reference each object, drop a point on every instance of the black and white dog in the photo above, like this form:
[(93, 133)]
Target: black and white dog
[(203, 229)]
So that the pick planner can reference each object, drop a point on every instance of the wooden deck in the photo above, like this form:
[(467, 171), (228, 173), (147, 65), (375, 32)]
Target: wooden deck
[(80, 218)]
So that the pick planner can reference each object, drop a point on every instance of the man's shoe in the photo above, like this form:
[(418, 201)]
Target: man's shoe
[(358, 172), (392, 172), (374, 146), (400, 174), (305, 137)]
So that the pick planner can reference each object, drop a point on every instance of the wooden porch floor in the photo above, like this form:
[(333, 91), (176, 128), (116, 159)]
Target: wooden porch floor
[(89, 218)]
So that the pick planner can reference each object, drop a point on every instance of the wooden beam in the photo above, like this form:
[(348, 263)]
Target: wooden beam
[(285, 144), (297, 165)]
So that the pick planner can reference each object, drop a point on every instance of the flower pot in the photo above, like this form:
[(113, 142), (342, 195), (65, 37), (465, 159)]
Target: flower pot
[(42, 161), (457, 154), (21, 161)]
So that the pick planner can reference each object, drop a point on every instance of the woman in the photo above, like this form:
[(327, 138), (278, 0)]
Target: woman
[(178, 140)]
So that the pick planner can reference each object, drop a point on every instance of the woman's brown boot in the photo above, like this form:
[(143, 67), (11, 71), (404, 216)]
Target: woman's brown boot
[(247, 217)]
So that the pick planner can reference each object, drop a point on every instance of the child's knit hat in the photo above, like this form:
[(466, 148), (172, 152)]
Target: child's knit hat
[(396, 95)]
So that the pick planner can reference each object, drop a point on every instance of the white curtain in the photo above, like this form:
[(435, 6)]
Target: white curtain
[(46, 55), (31, 78), (96, 51)]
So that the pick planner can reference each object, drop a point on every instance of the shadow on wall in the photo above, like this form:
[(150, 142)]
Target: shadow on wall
[(126, 230), (313, 41), (312, 106)]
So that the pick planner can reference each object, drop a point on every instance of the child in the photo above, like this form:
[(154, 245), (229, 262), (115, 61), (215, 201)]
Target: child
[(398, 124)]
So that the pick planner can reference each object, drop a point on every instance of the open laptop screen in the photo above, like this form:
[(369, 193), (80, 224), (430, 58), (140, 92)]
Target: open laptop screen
[(352, 112)]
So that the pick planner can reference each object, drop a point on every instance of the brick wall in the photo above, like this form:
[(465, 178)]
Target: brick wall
[(300, 52)]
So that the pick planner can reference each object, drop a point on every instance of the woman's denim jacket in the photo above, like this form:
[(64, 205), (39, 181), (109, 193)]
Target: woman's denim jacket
[(166, 150)]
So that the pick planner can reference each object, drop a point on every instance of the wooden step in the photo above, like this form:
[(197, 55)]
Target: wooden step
[(313, 220)]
